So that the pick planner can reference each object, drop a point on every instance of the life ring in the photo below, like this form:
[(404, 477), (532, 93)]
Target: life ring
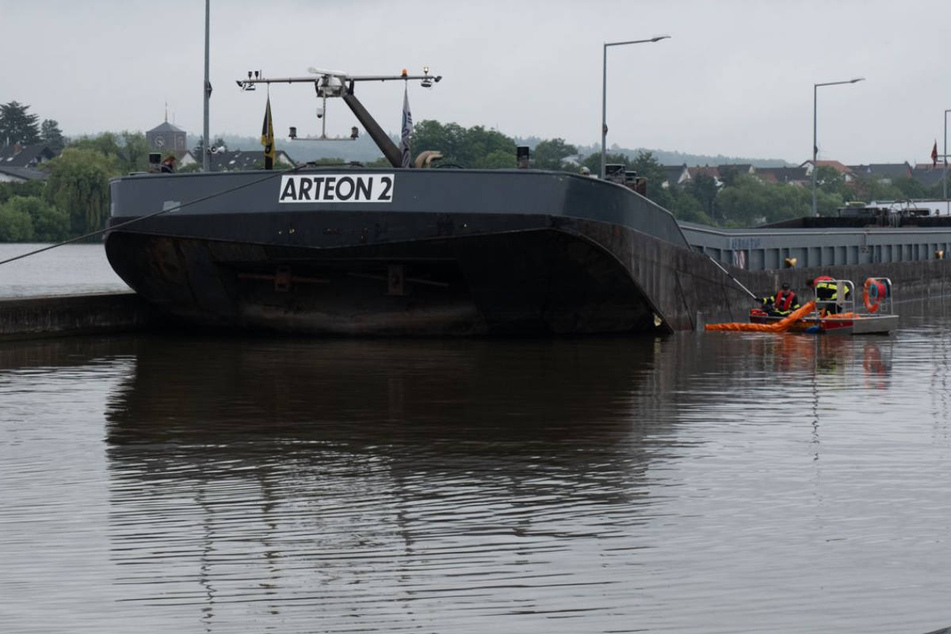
[(875, 292)]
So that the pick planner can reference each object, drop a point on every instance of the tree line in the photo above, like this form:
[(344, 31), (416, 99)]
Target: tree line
[(737, 200), (74, 199)]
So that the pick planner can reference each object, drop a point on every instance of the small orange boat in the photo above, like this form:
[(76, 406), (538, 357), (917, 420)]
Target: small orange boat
[(838, 317)]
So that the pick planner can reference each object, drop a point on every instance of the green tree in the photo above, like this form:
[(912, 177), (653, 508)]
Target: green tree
[(49, 223), (872, 189), (15, 223), (35, 188), (831, 181), (910, 188), (17, 125), (498, 159), (687, 208), (51, 135), (593, 161), (646, 166), (128, 150), (79, 184), (729, 174), (474, 147), (749, 201), (704, 189), (134, 152), (551, 153), (827, 203)]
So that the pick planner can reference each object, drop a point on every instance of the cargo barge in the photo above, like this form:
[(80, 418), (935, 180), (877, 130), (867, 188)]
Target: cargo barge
[(400, 250), (429, 252)]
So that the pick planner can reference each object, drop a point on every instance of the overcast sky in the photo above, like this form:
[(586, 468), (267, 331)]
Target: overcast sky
[(736, 78)]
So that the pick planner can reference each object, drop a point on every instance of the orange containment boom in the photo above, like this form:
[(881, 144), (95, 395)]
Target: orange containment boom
[(780, 326)]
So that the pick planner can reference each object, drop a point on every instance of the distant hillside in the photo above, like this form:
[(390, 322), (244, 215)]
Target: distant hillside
[(364, 150), (666, 157)]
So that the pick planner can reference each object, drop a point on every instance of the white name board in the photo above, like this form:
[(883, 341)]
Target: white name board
[(337, 188)]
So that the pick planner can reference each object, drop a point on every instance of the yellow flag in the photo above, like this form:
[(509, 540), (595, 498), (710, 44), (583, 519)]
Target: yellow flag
[(267, 137)]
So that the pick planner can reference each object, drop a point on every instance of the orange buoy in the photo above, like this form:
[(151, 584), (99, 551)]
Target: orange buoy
[(875, 292)]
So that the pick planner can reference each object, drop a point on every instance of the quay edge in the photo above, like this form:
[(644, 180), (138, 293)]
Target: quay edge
[(65, 315)]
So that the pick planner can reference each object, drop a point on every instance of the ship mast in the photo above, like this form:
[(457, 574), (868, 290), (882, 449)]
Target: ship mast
[(330, 84)]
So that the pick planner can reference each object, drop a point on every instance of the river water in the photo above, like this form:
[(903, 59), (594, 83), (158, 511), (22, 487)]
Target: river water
[(715, 482)]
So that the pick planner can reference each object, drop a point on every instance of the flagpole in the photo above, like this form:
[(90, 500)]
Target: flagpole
[(406, 130)]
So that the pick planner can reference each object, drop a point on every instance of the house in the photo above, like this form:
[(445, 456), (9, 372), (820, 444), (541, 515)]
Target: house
[(736, 168), (166, 137), (675, 175), (886, 173), (928, 174), (21, 174), (841, 168), (783, 175), (30, 156), (235, 160), (706, 170)]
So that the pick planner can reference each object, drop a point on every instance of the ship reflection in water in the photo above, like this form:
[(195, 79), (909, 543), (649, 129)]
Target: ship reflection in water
[(711, 482), (383, 485)]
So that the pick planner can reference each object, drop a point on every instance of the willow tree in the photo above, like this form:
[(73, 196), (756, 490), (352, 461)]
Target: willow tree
[(79, 184)]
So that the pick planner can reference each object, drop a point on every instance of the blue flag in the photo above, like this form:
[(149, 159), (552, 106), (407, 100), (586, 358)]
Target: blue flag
[(407, 130)]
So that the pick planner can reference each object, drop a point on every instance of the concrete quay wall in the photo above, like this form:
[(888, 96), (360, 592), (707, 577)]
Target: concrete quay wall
[(51, 316), (684, 287), (687, 289)]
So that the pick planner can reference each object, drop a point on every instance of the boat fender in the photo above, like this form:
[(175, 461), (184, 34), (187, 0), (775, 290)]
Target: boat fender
[(875, 291)]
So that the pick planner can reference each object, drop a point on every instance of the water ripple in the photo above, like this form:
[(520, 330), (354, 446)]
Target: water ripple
[(700, 482)]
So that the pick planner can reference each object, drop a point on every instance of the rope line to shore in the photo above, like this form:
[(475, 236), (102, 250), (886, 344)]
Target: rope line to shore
[(154, 214)]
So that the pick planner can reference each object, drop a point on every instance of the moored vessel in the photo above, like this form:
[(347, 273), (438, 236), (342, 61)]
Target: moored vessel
[(400, 250)]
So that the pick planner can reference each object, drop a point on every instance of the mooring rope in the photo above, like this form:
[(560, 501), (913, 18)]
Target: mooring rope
[(156, 213)]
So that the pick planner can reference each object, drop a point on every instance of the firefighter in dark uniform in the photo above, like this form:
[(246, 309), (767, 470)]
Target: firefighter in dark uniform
[(828, 291), (782, 303)]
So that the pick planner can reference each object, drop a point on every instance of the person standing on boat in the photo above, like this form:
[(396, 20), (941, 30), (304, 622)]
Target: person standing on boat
[(168, 165), (827, 293), (783, 302)]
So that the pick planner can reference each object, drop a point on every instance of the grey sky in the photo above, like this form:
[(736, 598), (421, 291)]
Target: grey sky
[(736, 78)]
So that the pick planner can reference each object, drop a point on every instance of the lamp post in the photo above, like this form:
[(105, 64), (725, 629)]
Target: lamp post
[(944, 180), (604, 92), (815, 142), (205, 149)]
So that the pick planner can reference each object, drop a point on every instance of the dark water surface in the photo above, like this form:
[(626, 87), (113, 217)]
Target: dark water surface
[(697, 483)]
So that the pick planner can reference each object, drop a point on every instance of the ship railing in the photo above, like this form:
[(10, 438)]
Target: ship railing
[(871, 301), (844, 301)]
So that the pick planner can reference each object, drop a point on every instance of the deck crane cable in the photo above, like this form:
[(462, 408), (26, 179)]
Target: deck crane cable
[(157, 213)]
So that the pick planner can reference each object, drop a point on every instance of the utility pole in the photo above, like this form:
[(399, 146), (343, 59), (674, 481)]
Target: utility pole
[(205, 148)]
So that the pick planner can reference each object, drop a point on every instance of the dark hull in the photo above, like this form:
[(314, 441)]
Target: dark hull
[(434, 252), (424, 253), (522, 275)]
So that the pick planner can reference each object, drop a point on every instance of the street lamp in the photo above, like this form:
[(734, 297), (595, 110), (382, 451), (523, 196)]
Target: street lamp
[(815, 143), (604, 91), (205, 146), (944, 180)]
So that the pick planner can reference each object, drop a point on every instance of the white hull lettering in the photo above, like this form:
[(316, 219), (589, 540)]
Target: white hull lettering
[(337, 188)]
